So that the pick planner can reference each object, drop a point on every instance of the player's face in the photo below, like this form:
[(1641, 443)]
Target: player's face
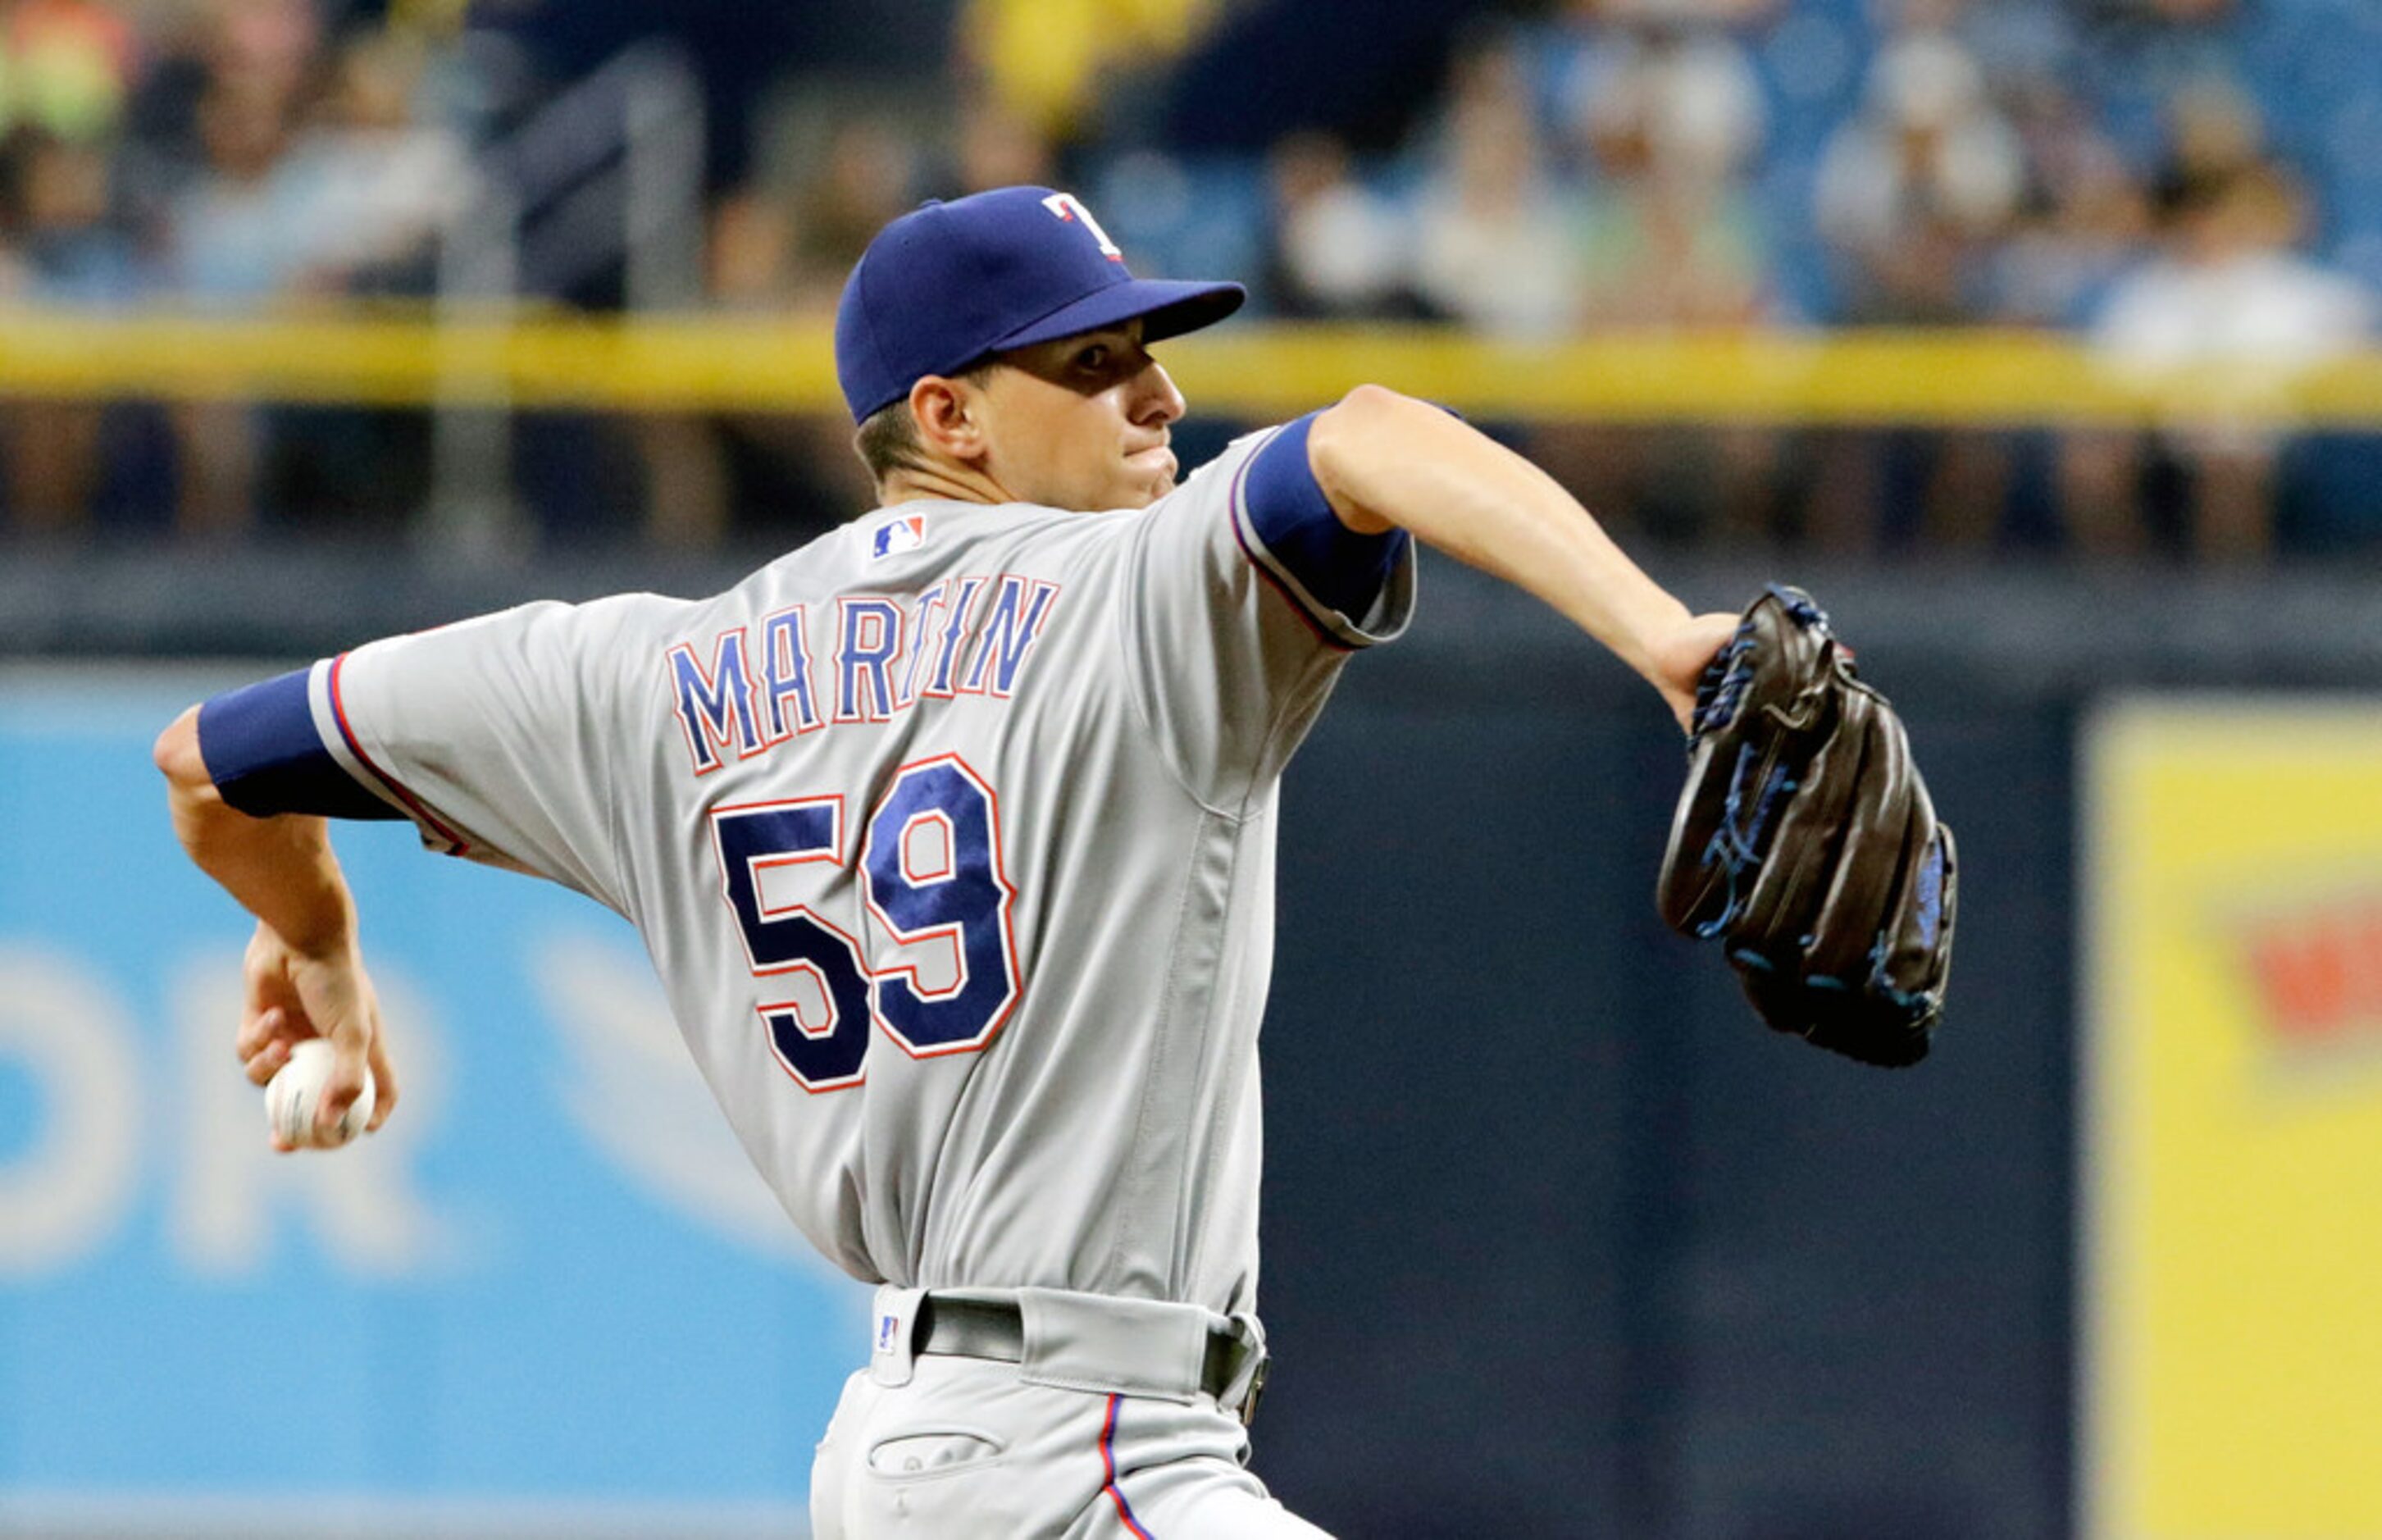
[(1082, 423)]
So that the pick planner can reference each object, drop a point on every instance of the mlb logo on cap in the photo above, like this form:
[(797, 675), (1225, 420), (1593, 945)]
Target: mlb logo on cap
[(907, 533)]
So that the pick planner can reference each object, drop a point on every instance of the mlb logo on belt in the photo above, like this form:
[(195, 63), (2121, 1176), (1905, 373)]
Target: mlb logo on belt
[(904, 534)]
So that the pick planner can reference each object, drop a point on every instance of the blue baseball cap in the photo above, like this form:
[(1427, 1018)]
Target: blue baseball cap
[(947, 283)]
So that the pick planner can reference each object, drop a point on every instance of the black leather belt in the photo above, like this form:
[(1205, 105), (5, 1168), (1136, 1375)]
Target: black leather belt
[(991, 1329)]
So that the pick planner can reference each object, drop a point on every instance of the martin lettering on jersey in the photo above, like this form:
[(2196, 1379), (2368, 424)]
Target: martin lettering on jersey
[(865, 658)]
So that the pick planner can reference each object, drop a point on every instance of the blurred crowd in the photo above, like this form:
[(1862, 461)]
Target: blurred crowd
[(213, 158), (2183, 183)]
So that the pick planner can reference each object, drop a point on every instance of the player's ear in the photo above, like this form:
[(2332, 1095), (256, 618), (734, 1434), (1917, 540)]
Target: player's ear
[(949, 416)]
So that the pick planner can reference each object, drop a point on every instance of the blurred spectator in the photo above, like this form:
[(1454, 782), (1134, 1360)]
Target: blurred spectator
[(830, 171), (2017, 45), (2214, 132), (1690, 91), (1049, 62), (1495, 246), (1669, 239), (1339, 249), (2229, 299), (2180, 12), (749, 257), (2068, 246), (865, 177), (1912, 195), (1914, 190), (273, 47), (58, 245), (315, 179), (1669, 236), (368, 188), (230, 228), (65, 67), (296, 192), (229, 247), (997, 145), (2083, 220), (705, 474), (2166, 38), (1720, 12), (57, 217)]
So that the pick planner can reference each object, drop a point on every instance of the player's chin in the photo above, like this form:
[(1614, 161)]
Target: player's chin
[(1151, 476), (1138, 492)]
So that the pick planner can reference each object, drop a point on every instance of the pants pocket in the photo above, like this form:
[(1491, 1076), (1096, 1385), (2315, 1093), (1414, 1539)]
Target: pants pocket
[(926, 1454), (945, 1482)]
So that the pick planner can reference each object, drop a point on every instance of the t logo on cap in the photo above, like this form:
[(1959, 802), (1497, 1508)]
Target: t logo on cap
[(1066, 205)]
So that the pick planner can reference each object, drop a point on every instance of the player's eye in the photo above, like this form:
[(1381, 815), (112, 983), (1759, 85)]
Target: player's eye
[(1093, 358)]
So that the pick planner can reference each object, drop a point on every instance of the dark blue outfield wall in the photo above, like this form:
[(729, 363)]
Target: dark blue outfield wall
[(1559, 1240)]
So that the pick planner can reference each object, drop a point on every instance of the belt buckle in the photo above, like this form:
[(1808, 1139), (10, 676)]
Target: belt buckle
[(1259, 1375)]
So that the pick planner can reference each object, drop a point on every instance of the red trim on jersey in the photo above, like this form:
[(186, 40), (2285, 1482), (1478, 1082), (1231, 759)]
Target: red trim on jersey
[(413, 805), (1108, 1464), (1233, 510)]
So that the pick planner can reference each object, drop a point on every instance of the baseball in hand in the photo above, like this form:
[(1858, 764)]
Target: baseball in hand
[(291, 1095)]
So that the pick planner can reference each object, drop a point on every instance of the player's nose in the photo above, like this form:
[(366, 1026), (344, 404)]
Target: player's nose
[(1156, 400)]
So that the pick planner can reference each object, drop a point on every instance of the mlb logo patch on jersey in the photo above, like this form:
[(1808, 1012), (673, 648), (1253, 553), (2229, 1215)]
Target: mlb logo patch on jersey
[(907, 533)]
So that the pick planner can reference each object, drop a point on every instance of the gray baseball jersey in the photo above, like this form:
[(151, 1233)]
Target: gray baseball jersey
[(950, 835)]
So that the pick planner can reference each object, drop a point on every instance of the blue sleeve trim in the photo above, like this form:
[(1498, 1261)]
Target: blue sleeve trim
[(1291, 515), (267, 757)]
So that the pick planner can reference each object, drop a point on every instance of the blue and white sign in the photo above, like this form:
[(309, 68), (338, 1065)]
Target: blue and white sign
[(549, 1297)]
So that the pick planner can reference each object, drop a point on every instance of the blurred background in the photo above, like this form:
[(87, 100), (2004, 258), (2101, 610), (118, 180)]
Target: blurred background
[(2037, 337)]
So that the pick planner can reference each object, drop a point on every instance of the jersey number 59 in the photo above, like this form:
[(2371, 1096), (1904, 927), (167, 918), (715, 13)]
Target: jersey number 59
[(931, 877)]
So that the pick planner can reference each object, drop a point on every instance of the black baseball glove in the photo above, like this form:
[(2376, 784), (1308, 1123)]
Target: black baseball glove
[(1806, 843)]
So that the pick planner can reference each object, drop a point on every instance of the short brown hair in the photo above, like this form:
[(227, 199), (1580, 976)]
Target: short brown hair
[(888, 438)]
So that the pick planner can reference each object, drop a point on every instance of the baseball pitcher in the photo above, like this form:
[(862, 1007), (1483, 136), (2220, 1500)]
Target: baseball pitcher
[(950, 835)]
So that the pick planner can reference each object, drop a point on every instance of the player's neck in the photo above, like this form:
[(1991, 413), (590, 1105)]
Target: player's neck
[(940, 483)]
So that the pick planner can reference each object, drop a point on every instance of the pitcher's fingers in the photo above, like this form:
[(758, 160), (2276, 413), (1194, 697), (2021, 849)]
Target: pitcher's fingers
[(384, 1084), (260, 1027), (267, 1061), (346, 1083)]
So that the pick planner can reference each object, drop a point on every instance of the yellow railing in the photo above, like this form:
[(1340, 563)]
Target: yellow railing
[(748, 362)]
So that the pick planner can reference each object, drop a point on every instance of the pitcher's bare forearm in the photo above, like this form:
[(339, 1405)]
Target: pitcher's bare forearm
[(281, 869), (304, 975), (1389, 460)]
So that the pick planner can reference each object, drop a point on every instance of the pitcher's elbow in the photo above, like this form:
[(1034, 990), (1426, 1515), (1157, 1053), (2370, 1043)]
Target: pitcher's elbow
[(1367, 408), (177, 755)]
